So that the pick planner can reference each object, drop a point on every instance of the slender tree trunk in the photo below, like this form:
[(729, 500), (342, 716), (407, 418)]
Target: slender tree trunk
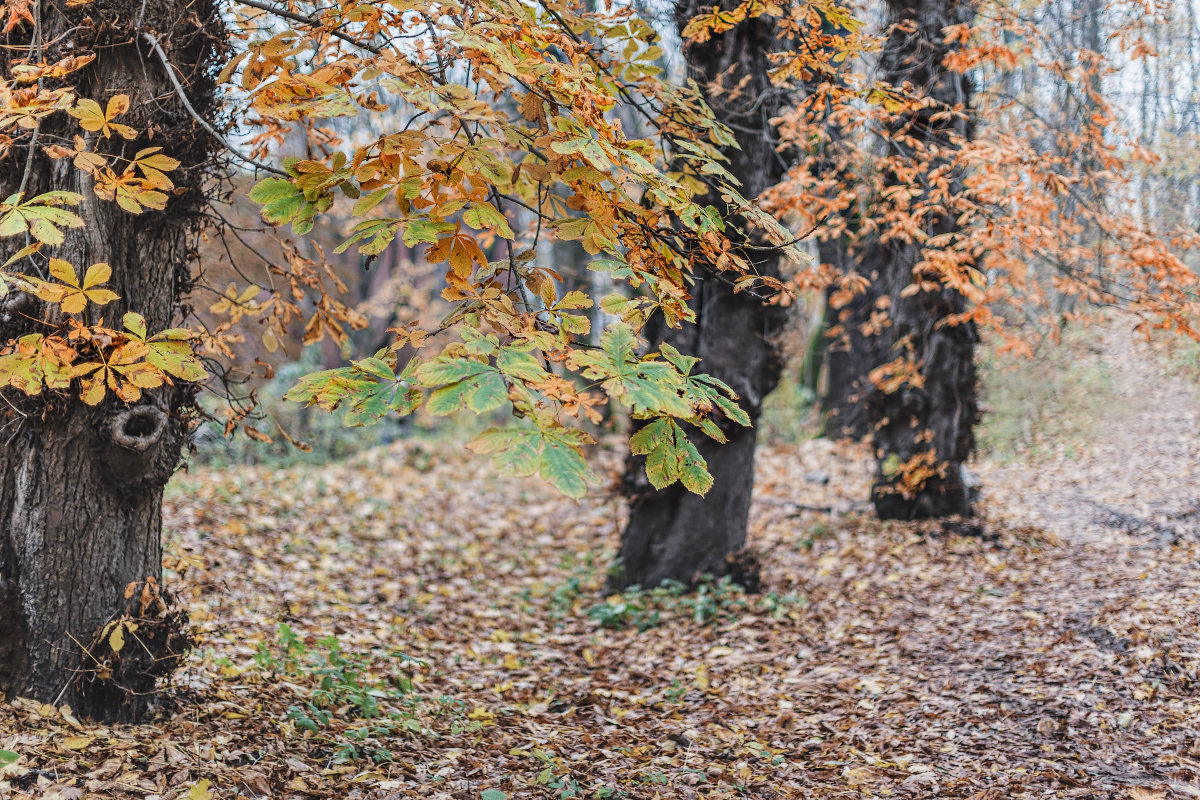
[(674, 534), (80, 487), (928, 422)]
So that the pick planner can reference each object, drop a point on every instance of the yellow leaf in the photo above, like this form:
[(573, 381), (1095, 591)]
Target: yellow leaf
[(64, 272), (702, 676), (89, 162), (92, 118), (200, 791), (89, 114), (28, 250), (101, 296), (482, 714), (97, 274), (117, 104), (77, 742), (116, 639), (857, 776), (69, 717), (74, 302)]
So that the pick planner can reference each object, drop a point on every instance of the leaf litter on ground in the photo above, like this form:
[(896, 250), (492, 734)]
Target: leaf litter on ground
[(406, 624)]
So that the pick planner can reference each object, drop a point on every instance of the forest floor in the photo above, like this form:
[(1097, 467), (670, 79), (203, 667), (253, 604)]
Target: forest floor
[(1051, 652)]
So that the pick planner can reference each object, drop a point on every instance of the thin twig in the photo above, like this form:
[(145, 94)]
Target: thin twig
[(37, 129), (313, 21), (204, 123)]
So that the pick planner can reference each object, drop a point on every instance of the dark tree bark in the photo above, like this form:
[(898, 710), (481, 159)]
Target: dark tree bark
[(80, 487), (673, 534), (852, 347), (933, 417), (850, 354)]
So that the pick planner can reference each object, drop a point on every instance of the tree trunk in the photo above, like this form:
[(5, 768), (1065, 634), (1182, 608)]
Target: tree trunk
[(81, 487), (850, 353), (674, 534), (852, 347), (927, 423)]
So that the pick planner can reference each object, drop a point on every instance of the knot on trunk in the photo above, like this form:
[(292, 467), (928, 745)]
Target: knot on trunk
[(139, 428), (131, 655), (132, 439)]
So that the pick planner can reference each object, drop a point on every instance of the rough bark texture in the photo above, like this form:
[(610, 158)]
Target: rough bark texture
[(674, 534), (81, 488), (849, 355), (940, 414)]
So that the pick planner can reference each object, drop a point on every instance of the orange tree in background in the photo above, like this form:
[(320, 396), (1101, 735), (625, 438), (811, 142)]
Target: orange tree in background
[(987, 176), (114, 133)]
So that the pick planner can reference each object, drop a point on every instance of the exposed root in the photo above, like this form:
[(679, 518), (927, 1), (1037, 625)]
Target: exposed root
[(130, 655)]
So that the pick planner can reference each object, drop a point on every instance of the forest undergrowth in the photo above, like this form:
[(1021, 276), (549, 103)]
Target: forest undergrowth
[(370, 630)]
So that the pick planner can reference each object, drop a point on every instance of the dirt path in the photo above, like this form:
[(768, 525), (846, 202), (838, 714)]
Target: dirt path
[(1059, 659), (1141, 475)]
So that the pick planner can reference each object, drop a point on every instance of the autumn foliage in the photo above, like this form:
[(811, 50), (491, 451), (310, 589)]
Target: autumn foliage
[(494, 126), (501, 124)]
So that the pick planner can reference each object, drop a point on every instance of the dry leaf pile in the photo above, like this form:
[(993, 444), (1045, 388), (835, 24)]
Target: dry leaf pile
[(882, 660)]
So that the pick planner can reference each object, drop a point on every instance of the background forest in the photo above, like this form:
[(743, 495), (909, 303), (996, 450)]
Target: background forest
[(501, 399)]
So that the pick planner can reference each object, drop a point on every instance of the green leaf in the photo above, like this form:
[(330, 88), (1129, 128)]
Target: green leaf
[(377, 367), (368, 202), (891, 466), (8, 757), (618, 268), (135, 324), (447, 369), (521, 365), (478, 386), (648, 386), (41, 216), (550, 450), (375, 402), (564, 468), (482, 216), (380, 232), (705, 392), (693, 470), (280, 199), (34, 365), (682, 363), (481, 393), (492, 794), (671, 456), (176, 358), (712, 430), (368, 388), (479, 344), (513, 450), (489, 392), (425, 230)]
